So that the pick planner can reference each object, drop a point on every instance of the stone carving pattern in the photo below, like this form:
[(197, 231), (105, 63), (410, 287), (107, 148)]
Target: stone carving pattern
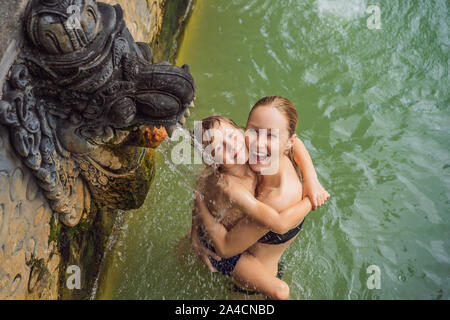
[(27, 259), (78, 101)]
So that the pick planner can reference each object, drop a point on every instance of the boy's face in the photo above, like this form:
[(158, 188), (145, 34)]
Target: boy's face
[(227, 144)]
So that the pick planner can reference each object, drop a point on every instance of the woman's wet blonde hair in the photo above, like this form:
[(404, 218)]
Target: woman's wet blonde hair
[(284, 106)]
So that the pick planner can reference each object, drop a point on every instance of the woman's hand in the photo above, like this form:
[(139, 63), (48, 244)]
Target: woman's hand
[(202, 252), (315, 192)]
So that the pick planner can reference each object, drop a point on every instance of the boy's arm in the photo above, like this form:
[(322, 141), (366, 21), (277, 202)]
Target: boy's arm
[(202, 252), (227, 245), (216, 231), (312, 187), (247, 232), (265, 215), (254, 208)]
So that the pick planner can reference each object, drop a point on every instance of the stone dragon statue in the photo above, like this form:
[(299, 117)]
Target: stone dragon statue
[(83, 102)]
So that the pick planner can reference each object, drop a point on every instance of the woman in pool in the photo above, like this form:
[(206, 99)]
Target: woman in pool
[(244, 233)]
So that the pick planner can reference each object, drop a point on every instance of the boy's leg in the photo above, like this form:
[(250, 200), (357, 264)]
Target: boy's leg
[(253, 275)]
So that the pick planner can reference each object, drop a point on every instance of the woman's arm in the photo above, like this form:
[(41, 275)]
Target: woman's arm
[(312, 187), (303, 160), (247, 232)]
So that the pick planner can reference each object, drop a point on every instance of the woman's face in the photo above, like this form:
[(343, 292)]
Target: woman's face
[(228, 145), (266, 146)]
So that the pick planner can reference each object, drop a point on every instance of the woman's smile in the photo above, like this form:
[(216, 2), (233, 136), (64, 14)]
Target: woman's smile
[(261, 157)]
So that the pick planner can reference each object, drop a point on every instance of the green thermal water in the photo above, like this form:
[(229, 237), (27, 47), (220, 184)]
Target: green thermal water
[(374, 114)]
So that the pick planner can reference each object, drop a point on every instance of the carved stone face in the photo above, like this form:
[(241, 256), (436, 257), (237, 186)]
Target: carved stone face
[(62, 26)]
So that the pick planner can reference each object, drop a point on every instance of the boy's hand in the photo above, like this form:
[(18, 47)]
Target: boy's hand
[(315, 192), (202, 252)]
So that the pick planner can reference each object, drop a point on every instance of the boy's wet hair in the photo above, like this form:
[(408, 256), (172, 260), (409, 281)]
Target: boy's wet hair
[(210, 123)]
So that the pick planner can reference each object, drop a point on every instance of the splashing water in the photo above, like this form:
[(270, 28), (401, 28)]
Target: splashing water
[(347, 9)]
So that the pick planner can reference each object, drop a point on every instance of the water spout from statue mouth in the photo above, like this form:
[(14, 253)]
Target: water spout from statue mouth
[(150, 135)]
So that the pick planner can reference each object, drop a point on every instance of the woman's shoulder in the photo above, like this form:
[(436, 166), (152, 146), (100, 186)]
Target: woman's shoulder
[(289, 167), (292, 181)]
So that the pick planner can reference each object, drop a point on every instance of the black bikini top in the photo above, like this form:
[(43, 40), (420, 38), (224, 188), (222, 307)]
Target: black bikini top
[(276, 238)]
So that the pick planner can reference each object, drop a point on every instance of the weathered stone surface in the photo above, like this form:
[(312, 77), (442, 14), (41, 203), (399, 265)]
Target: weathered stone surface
[(24, 237), (144, 17), (158, 22), (11, 14)]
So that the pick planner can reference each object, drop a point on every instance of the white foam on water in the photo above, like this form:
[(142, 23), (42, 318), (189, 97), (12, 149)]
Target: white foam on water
[(346, 9)]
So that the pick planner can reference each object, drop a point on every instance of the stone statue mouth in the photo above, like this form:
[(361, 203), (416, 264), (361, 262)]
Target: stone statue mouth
[(168, 124), (150, 134)]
